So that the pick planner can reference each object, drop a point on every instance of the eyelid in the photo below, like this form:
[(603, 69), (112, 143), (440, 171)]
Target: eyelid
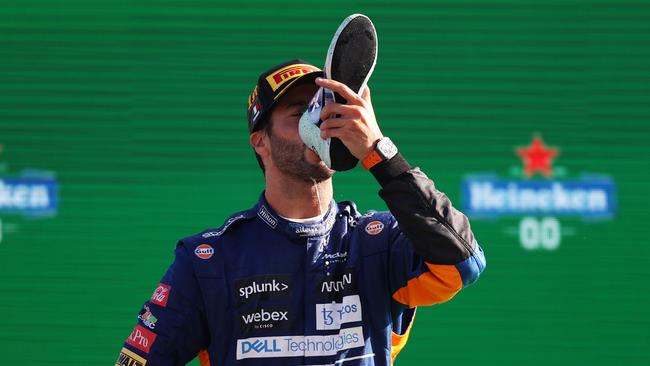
[(302, 110)]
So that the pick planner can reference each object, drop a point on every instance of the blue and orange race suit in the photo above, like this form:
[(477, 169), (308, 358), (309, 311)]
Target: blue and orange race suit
[(342, 290)]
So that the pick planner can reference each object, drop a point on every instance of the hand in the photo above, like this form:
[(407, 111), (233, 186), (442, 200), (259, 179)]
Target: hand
[(354, 123)]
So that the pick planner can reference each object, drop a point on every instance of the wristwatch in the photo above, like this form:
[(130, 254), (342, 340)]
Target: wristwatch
[(384, 149)]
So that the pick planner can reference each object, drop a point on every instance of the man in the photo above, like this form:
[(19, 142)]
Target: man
[(299, 279)]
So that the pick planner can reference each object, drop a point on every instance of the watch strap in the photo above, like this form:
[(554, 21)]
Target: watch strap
[(371, 160)]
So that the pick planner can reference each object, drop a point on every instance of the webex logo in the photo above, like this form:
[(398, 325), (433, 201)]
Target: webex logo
[(265, 318)]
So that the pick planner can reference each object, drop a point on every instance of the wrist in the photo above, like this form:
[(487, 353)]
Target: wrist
[(382, 149)]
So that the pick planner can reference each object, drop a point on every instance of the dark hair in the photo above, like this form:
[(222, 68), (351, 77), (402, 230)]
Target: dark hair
[(263, 125)]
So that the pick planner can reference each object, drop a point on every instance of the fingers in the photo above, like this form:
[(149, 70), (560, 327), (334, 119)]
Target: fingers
[(335, 127), (335, 123), (344, 110), (342, 89), (365, 93)]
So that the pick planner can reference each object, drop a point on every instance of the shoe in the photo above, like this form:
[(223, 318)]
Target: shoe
[(352, 54), (351, 58)]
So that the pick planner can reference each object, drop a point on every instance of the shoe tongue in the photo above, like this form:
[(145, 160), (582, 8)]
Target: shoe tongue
[(332, 151), (315, 106), (309, 128)]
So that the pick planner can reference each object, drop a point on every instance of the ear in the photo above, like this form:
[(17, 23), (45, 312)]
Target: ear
[(260, 143)]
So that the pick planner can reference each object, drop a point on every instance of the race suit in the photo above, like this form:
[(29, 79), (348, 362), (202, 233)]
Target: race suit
[(262, 290)]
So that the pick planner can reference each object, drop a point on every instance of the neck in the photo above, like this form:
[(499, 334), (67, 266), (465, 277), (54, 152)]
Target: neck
[(295, 198)]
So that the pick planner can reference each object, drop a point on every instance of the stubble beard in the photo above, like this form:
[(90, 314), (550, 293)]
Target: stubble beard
[(289, 157)]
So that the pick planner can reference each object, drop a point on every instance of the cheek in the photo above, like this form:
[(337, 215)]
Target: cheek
[(289, 130)]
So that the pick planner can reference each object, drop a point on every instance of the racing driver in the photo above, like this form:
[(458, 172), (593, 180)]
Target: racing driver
[(299, 279)]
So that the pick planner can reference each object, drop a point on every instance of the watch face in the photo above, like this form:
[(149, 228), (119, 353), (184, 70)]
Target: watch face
[(386, 148)]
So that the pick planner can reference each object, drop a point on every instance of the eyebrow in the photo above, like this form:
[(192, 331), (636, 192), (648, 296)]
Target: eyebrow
[(300, 103)]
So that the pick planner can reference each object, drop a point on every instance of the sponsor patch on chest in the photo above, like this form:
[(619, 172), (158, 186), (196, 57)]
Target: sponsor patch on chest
[(334, 287), (263, 287), (300, 345), (266, 317), (331, 316)]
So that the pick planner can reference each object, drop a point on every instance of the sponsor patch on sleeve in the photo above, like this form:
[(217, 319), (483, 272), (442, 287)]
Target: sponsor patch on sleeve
[(161, 295), (141, 338), (129, 358), (147, 318)]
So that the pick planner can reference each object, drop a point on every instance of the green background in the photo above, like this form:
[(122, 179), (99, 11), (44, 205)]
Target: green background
[(139, 109)]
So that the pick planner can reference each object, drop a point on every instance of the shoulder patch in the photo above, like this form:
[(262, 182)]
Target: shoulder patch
[(204, 251), (362, 219), (231, 220), (374, 219), (209, 236), (374, 227)]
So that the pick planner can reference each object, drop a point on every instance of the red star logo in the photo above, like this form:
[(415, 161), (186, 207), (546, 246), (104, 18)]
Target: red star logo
[(537, 157)]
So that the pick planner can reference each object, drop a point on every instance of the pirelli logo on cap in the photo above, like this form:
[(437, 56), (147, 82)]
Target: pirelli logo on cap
[(128, 358), (278, 78)]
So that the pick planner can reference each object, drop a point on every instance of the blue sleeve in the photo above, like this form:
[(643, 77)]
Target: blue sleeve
[(170, 328)]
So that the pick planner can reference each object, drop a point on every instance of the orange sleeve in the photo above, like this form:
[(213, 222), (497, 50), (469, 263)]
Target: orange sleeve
[(439, 284), (204, 358)]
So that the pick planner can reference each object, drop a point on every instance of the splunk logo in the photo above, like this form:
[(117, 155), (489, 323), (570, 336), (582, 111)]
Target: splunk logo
[(303, 346), (277, 286), (262, 288)]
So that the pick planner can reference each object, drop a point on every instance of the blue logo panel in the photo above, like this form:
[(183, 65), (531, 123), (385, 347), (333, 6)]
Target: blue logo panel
[(28, 196), (490, 197)]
